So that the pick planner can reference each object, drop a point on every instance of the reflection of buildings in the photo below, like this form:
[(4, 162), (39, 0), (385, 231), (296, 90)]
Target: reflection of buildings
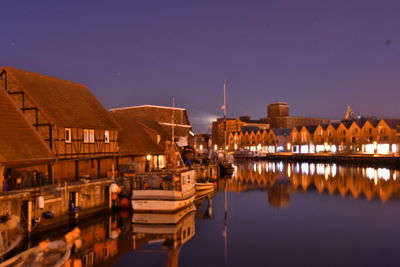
[(157, 228), (275, 176)]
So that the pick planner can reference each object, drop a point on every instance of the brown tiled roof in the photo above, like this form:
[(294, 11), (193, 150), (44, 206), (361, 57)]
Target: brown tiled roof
[(158, 113), (163, 116), (133, 139), (20, 144), (62, 102), (392, 123)]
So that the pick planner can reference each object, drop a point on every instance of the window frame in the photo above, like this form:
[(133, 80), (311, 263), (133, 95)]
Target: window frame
[(106, 136), (68, 137)]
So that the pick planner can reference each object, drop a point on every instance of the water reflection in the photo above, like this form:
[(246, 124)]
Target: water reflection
[(279, 179)]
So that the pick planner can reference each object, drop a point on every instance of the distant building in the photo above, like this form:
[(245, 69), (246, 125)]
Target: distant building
[(172, 120), (233, 125), (278, 116)]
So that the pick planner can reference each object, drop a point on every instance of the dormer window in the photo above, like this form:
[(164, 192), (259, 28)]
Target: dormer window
[(68, 135), (107, 136)]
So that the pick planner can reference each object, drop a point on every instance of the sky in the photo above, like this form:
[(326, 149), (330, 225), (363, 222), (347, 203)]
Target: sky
[(318, 56)]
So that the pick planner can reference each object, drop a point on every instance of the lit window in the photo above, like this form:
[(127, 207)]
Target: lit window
[(68, 137), (107, 136), (85, 135), (91, 136)]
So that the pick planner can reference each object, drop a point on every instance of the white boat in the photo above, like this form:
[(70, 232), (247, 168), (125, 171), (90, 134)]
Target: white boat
[(46, 254), (171, 237), (162, 218), (163, 193)]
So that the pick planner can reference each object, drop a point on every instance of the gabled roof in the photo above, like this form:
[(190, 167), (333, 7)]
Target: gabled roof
[(250, 129), (324, 126), (347, 123), (281, 131), (63, 103), (133, 139), (392, 123), (20, 144), (162, 115), (335, 125), (159, 113), (311, 128)]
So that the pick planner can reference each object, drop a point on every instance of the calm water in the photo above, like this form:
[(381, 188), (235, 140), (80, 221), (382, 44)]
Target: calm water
[(267, 214)]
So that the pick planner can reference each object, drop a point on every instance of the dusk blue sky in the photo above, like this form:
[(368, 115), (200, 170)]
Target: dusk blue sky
[(318, 56)]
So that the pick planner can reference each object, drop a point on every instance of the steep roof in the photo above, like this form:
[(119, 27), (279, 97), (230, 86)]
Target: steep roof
[(311, 128), (392, 123), (250, 129), (62, 102), (20, 143), (281, 131), (133, 138), (159, 113), (162, 115)]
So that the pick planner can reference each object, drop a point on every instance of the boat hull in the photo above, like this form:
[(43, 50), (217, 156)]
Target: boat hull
[(161, 205), (204, 186)]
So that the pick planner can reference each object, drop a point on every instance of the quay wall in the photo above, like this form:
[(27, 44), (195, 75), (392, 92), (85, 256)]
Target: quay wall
[(91, 196)]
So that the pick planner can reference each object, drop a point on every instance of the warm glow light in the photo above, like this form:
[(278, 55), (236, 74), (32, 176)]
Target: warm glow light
[(235, 146), (148, 157), (394, 148), (383, 149), (369, 148), (201, 147), (215, 147), (384, 173), (288, 146), (304, 149)]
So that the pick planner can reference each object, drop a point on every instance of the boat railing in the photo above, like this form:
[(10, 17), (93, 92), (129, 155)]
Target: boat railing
[(168, 182)]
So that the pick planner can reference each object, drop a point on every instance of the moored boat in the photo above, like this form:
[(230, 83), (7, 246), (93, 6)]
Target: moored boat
[(204, 185), (163, 192), (46, 254), (11, 233)]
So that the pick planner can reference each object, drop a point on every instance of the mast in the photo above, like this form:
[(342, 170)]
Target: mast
[(224, 115), (173, 121)]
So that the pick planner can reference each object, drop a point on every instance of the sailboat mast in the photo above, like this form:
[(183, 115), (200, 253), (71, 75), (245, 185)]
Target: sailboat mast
[(173, 121), (225, 115)]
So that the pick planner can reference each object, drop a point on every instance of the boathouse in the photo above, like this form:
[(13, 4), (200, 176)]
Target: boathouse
[(69, 118), (140, 147)]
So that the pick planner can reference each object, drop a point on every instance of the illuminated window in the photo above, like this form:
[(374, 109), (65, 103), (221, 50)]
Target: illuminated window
[(91, 136), (86, 136), (107, 136), (68, 136)]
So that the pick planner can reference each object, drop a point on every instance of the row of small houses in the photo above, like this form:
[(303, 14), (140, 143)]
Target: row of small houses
[(360, 135), (55, 131)]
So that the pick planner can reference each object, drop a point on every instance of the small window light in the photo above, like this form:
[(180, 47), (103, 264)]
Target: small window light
[(107, 136), (68, 137)]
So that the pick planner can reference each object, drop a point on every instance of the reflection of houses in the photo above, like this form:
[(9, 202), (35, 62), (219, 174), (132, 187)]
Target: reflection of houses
[(139, 144), (273, 176), (172, 120)]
